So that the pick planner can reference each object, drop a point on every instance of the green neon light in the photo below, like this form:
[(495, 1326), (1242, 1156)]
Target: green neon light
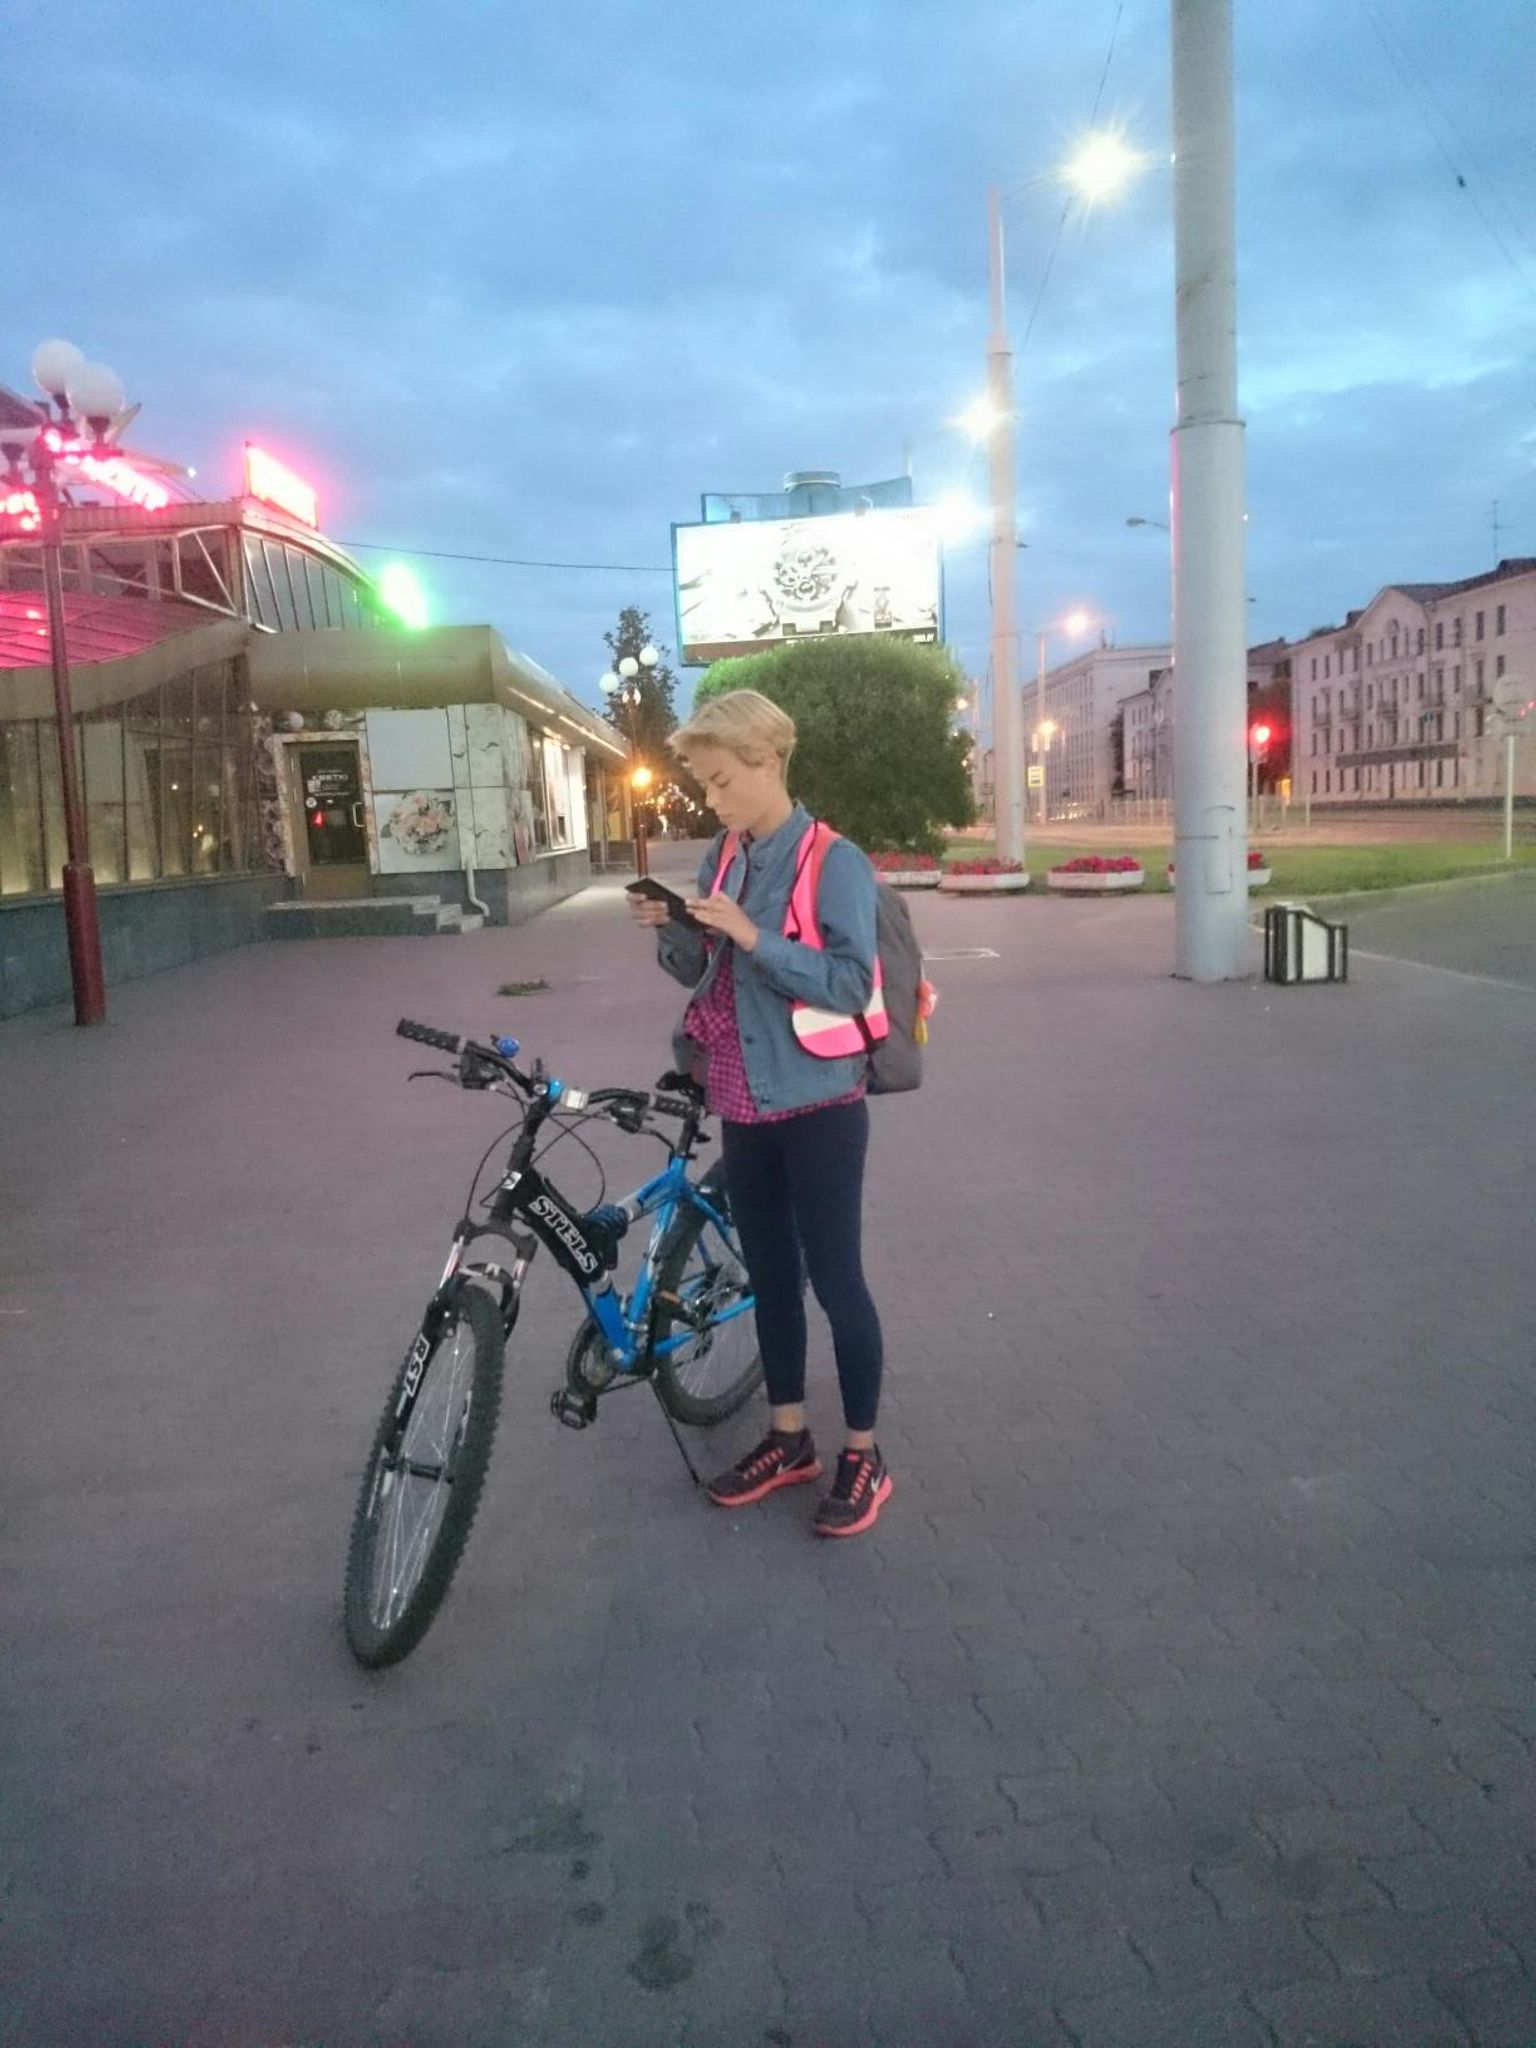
[(402, 593)]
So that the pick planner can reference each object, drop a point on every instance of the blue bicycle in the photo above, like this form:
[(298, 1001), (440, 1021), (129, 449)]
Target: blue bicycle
[(685, 1328)]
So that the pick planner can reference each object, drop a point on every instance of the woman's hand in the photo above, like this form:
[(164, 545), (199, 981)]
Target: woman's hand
[(645, 910), (723, 914)]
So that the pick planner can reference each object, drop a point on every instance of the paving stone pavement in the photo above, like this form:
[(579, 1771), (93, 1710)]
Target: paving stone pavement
[(1182, 1695)]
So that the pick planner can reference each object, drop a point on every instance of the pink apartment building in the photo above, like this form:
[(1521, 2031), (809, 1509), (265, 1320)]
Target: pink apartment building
[(1394, 705)]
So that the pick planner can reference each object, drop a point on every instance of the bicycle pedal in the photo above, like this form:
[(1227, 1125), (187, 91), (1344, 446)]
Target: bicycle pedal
[(575, 1411)]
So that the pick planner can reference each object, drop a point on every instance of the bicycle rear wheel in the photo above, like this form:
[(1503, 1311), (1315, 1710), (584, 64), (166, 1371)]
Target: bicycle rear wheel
[(423, 1482), (699, 1281)]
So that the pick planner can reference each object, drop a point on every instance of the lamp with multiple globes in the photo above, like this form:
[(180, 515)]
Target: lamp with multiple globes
[(31, 500), (622, 687)]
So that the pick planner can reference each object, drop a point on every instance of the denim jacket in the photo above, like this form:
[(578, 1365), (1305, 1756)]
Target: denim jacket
[(841, 977)]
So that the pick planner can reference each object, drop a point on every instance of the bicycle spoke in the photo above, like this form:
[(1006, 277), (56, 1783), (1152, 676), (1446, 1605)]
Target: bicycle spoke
[(414, 1489)]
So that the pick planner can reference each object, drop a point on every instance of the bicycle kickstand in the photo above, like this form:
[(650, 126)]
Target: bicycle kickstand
[(676, 1436)]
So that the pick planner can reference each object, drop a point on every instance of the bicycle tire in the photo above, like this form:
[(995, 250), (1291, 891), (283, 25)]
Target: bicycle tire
[(701, 1411), (380, 1631)]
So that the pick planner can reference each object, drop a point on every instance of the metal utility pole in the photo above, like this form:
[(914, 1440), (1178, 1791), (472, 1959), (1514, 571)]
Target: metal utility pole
[(1212, 941), (1007, 711)]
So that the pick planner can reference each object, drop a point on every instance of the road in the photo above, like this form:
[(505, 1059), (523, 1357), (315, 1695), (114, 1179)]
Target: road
[(1182, 1694)]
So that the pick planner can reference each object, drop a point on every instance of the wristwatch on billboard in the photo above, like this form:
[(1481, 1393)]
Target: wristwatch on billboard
[(807, 585)]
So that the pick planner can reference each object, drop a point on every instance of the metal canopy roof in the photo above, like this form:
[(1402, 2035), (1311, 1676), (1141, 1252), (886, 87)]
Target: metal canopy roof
[(385, 668), (120, 646)]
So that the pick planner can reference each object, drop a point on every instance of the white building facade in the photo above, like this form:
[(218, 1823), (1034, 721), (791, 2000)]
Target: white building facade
[(1084, 765), (1394, 706)]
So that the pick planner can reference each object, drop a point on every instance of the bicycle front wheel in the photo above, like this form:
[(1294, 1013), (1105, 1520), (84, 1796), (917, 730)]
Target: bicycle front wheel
[(704, 1307), (423, 1482)]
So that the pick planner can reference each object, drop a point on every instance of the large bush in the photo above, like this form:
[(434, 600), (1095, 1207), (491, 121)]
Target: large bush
[(877, 756)]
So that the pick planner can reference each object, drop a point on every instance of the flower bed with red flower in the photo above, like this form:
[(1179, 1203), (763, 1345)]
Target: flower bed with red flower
[(985, 867), (1098, 864), (904, 863)]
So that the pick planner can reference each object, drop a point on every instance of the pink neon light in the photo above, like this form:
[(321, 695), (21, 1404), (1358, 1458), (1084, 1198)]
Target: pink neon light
[(114, 474), (275, 484), (22, 507)]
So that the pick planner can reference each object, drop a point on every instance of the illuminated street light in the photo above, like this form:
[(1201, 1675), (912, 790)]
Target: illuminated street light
[(1101, 167), (621, 685), (981, 418)]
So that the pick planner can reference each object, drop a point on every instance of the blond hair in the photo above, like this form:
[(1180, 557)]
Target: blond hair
[(743, 722)]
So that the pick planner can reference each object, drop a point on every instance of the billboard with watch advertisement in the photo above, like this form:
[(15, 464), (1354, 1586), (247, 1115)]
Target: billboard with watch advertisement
[(745, 585)]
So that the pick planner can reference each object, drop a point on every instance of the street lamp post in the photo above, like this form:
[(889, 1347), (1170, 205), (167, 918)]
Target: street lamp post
[(622, 685), (1098, 170), (640, 781), (92, 393), (1007, 739)]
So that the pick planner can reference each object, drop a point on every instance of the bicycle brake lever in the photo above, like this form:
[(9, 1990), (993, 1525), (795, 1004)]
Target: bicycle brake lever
[(432, 1074)]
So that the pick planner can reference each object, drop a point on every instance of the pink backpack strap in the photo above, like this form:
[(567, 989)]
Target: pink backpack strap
[(801, 921)]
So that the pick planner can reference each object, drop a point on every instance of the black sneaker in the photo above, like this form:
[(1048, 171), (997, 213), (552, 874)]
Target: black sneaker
[(779, 1460), (860, 1490)]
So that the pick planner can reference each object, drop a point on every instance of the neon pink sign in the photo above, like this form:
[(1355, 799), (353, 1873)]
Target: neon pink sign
[(112, 472), (275, 484)]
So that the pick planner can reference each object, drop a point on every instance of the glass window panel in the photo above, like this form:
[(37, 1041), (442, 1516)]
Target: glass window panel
[(202, 568), (141, 775), (101, 762), (52, 804), (21, 830), (260, 599), (175, 783), (538, 791), (277, 570), (207, 770), (314, 582), (298, 584)]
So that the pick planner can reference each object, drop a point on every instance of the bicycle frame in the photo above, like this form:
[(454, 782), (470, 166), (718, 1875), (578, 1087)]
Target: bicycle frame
[(525, 1198)]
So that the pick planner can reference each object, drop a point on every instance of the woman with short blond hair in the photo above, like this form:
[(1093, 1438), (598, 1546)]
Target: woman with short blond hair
[(795, 1123)]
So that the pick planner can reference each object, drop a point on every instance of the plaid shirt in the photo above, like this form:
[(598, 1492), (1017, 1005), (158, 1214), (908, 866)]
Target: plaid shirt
[(711, 1023)]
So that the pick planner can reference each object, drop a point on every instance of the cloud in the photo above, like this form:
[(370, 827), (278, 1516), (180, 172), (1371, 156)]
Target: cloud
[(522, 282)]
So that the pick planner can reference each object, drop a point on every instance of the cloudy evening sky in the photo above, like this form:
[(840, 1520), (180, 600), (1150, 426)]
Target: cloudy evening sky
[(520, 280)]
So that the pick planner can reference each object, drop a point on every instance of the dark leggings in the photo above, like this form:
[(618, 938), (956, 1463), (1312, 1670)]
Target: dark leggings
[(797, 1194)]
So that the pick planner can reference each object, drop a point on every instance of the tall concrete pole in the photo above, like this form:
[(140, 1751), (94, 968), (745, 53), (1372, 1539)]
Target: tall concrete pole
[(1212, 941), (1007, 711)]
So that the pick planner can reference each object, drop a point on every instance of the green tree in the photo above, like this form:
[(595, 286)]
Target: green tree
[(877, 755)]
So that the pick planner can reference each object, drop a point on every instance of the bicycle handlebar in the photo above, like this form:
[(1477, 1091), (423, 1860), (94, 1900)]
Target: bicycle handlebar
[(423, 1034), (628, 1107)]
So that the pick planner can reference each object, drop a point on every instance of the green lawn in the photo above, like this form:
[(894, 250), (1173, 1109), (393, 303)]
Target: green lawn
[(1297, 870)]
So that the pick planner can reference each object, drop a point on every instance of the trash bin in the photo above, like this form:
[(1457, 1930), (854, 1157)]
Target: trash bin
[(1300, 946)]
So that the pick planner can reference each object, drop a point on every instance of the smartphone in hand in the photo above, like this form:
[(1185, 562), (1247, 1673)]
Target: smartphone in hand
[(657, 892)]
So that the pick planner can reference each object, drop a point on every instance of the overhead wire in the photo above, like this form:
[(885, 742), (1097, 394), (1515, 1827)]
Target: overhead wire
[(1438, 124), (510, 561), (1066, 204)]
